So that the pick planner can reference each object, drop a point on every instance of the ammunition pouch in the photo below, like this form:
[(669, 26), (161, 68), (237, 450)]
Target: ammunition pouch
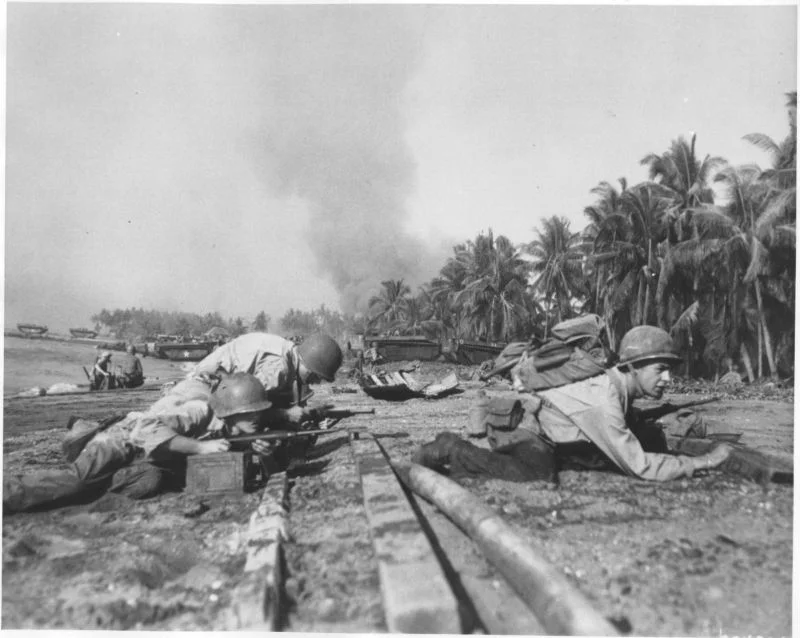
[(504, 413), (499, 416)]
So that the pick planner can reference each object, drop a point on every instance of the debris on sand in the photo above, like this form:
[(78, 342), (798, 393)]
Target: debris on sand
[(399, 386)]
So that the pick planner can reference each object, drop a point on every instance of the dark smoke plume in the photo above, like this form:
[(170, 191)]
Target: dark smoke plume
[(336, 140)]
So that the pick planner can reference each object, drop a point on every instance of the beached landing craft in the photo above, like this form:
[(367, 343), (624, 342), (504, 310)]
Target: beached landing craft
[(418, 348), (408, 348), (475, 352), (83, 333), (184, 351), (32, 329)]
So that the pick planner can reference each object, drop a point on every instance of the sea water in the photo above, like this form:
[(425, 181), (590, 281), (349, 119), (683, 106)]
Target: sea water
[(36, 362)]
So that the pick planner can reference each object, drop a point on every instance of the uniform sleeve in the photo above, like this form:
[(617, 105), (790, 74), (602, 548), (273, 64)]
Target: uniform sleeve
[(605, 426), (151, 431), (273, 372)]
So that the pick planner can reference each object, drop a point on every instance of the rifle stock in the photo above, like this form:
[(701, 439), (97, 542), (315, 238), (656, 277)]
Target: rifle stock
[(743, 461)]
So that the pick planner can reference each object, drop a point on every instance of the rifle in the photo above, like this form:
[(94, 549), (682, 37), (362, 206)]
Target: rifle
[(337, 414), (668, 408), (242, 441), (743, 461)]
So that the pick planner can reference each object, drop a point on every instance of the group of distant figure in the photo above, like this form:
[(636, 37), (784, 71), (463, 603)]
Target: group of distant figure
[(126, 374)]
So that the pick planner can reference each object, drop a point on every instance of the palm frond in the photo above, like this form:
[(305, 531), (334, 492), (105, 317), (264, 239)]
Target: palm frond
[(686, 321), (764, 142), (759, 261), (781, 207)]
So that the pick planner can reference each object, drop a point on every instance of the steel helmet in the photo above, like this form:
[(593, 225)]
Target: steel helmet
[(321, 354), (239, 393), (644, 343)]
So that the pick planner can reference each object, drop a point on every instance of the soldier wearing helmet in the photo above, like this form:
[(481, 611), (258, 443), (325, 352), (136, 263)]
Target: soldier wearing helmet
[(284, 368), (582, 425), (143, 453)]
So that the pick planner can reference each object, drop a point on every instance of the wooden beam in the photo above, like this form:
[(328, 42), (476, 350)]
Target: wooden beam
[(258, 599), (417, 597)]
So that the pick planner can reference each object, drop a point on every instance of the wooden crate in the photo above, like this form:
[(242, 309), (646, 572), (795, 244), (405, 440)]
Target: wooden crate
[(222, 473)]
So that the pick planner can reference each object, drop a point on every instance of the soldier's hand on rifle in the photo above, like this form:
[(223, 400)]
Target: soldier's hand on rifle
[(213, 446), (263, 447), (318, 414), (294, 414), (714, 458)]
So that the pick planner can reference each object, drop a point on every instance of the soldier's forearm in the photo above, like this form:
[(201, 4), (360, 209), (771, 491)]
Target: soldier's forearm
[(184, 445)]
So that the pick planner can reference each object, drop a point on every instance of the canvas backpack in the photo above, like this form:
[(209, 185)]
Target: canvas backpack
[(573, 352)]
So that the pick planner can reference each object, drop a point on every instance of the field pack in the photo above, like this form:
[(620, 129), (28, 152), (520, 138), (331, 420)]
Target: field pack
[(573, 352)]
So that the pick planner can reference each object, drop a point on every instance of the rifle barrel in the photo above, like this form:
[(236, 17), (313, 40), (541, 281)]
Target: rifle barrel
[(669, 408), (345, 412), (279, 435)]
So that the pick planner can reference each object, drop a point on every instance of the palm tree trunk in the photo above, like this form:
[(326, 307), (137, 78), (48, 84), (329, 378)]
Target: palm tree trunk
[(762, 320), (748, 365), (637, 320)]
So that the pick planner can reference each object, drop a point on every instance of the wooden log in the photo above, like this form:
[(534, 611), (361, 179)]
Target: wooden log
[(560, 607), (417, 597), (258, 600)]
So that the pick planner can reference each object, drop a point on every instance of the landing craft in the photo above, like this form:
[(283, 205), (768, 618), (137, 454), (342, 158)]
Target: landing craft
[(189, 350), (83, 333), (32, 329)]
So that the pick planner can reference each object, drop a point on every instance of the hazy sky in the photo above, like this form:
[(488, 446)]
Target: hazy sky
[(244, 158)]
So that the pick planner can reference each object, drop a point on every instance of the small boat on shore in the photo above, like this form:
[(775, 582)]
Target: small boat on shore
[(83, 333), (32, 329)]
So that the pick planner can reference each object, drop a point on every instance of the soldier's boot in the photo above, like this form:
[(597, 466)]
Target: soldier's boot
[(436, 455)]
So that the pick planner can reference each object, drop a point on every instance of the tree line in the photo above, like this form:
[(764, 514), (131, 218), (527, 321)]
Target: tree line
[(718, 274), (137, 323)]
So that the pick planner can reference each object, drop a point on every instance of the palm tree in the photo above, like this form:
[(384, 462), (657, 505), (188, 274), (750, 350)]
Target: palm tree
[(784, 154), (491, 304), (558, 266), (419, 316), (686, 176), (388, 306)]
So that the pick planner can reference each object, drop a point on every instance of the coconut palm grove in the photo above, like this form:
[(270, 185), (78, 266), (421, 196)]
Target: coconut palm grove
[(702, 248)]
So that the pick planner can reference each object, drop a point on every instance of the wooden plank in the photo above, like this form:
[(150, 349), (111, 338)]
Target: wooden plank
[(495, 604), (258, 599), (417, 597), (561, 609)]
